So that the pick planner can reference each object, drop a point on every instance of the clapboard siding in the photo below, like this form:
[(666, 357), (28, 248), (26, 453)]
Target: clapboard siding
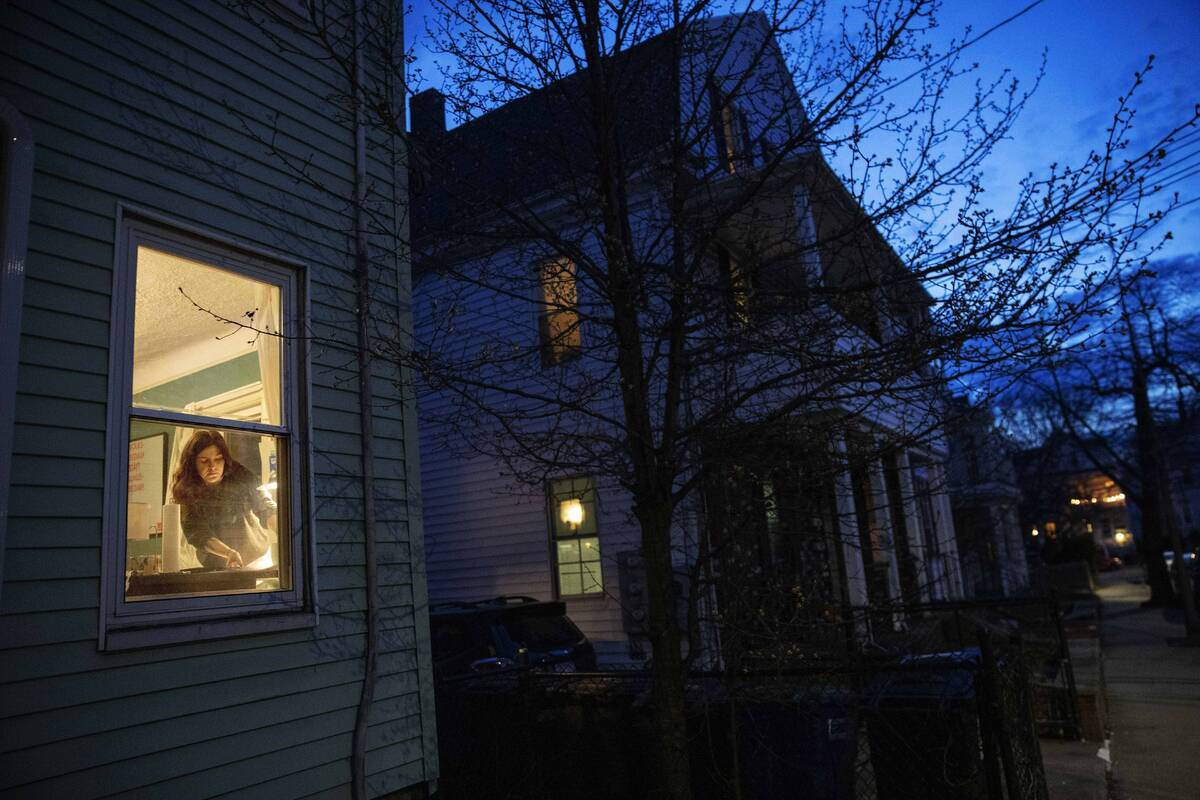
[(134, 102), (485, 535)]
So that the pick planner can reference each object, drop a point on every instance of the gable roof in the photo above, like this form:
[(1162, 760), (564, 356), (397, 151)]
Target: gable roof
[(541, 141)]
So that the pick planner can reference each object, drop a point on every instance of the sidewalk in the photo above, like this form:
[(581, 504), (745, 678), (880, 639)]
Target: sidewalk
[(1153, 696)]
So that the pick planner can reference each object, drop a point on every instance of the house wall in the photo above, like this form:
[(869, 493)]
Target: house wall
[(134, 102)]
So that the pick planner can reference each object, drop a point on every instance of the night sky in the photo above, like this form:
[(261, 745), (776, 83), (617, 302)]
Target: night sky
[(1093, 48)]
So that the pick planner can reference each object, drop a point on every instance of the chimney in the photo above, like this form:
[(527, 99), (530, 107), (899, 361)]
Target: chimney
[(427, 111)]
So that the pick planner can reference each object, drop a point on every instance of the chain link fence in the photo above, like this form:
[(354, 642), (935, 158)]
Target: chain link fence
[(951, 725)]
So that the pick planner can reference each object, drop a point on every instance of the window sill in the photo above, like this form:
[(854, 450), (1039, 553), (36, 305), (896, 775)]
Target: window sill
[(134, 638)]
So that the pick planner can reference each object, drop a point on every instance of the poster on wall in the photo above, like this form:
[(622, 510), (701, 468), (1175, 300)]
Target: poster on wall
[(147, 485)]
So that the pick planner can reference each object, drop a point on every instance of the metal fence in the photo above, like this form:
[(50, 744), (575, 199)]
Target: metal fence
[(1038, 621), (946, 726)]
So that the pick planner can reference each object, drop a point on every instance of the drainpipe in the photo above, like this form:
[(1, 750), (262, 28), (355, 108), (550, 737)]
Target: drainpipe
[(362, 282)]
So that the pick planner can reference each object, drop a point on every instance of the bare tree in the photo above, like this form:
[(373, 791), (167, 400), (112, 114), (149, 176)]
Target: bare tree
[(706, 283), (1135, 370)]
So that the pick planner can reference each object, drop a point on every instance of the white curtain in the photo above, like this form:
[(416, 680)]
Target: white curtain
[(270, 349)]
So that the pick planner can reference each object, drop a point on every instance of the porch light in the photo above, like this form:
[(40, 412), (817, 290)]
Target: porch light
[(571, 512), (1033, 532)]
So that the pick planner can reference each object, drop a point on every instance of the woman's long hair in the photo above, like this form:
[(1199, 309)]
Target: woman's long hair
[(186, 483)]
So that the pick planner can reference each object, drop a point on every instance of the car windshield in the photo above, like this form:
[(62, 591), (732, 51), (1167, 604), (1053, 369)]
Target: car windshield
[(542, 631)]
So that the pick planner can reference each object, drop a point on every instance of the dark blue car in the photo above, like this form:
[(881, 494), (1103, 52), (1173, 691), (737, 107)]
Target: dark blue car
[(506, 633)]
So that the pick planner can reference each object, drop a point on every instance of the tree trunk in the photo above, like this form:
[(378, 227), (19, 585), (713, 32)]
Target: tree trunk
[(670, 717), (1156, 490)]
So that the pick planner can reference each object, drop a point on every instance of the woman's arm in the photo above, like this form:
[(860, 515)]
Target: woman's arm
[(218, 548), (199, 530)]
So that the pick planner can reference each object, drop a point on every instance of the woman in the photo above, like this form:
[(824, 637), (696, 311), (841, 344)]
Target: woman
[(223, 512)]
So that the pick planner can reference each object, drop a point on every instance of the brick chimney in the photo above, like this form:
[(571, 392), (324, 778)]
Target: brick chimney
[(427, 111)]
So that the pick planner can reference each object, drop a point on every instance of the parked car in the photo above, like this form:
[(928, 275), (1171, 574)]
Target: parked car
[(1191, 563), (503, 633)]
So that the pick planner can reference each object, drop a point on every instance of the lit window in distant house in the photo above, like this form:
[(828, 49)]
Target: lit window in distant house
[(559, 319), (576, 545)]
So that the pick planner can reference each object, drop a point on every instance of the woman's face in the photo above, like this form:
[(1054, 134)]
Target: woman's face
[(210, 464)]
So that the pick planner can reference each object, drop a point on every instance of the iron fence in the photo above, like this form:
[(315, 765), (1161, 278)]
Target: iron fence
[(954, 725)]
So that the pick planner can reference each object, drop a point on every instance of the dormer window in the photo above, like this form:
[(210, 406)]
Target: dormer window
[(559, 318), (730, 130)]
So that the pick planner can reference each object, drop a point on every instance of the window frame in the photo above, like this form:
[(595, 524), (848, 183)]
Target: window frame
[(552, 500), (126, 624)]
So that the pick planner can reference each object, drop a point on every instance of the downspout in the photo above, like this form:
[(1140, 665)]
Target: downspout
[(16, 179), (362, 282), (16, 176)]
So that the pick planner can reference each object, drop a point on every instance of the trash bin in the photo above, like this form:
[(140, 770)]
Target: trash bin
[(923, 728), (799, 746)]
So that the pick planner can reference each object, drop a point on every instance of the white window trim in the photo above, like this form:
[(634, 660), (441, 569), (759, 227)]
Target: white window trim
[(145, 623), (16, 172)]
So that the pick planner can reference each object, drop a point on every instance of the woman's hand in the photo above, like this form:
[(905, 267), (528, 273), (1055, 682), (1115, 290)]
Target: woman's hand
[(233, 559)]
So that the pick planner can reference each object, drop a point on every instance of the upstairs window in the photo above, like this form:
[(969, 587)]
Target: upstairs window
[(204, 514), (576, 544), (730, 130), (559, 317), (735, 280)]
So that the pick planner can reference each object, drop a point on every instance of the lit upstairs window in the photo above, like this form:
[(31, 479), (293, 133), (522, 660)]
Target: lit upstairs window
[(559, 316)]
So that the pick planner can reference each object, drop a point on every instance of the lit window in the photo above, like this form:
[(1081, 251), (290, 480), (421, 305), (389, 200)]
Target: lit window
[(736, 283), (576, 545), (559, 320), (205, 517), (731, 131)]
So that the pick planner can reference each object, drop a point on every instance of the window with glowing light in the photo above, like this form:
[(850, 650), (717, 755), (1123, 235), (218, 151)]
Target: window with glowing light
[(559, 317), (204, 521), (576, 544)]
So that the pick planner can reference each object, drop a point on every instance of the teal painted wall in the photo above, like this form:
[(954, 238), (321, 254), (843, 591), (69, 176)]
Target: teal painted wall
[(166, 106)]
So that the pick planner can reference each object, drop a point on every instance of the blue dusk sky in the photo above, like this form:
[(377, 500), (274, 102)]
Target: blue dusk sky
[(1093, 48)]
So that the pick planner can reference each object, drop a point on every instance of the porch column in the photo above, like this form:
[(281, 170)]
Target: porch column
[(912, 516), (947, 544), (852, 555), (882, 512)]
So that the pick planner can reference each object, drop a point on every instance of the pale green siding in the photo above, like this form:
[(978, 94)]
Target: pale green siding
[(133, 102)]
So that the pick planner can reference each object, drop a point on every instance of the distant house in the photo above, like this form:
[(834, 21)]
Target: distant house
[(141, 212), (1076, 506), (874, 530)]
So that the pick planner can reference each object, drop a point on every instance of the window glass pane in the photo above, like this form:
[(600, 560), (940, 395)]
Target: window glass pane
[(591, 578), (570, 581), (204, 512), (589, 549), (574, 507), (568, 552), (560, 314), (188, 353)]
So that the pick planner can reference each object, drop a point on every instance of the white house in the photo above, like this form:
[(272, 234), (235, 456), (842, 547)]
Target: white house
[(522, 465)]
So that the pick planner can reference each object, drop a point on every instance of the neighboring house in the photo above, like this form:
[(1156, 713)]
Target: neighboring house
[(139, 204), (1070, 509), (875, 529), (986, 501)]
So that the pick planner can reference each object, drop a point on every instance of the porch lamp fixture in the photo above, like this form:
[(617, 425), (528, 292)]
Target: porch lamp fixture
[(571, 512)]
